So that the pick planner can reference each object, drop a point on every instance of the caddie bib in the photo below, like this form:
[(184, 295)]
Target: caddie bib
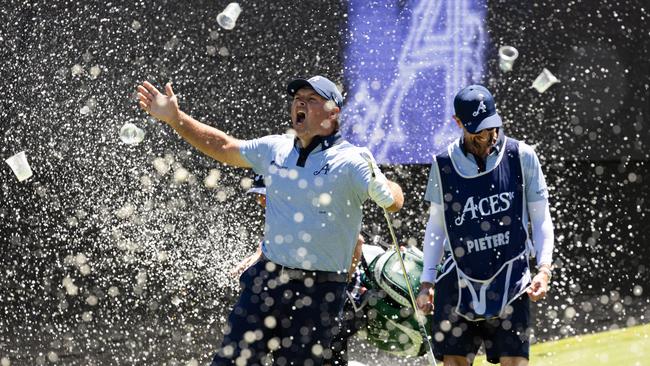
[(484, 224)]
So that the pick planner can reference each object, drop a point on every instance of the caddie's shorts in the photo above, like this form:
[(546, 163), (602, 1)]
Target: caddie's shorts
[(456, 336)]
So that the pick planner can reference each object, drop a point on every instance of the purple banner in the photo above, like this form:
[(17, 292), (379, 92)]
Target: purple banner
[(404, 62)]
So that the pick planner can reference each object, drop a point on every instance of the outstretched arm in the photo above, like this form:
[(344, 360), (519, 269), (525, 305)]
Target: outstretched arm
[(246, 262), (209, 140)]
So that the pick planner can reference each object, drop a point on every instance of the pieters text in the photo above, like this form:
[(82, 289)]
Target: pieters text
[(488, 242)]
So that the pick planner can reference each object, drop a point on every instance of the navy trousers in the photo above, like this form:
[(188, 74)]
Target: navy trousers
[(293, 321), (351, 321)]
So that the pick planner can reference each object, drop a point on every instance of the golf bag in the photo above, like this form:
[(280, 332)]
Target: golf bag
[(390, 323)]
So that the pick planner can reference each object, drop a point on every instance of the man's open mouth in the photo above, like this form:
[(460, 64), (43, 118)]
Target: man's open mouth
[(300, 116)]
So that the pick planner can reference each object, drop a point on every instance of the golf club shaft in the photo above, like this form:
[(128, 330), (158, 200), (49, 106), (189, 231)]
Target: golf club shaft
[(409, 288), (414, 304)]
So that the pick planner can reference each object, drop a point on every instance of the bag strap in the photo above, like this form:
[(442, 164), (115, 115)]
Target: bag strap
[(368, 274)]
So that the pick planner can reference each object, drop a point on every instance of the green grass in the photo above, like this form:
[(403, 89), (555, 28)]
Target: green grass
[(623, 347)]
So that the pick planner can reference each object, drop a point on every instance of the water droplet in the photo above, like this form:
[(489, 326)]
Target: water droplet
[(77, 70), (113, 291), (324, 199), (212, 179), (246, 183), (569, 313), (92, 300), (223, 51), (181, 175), (161, 165), (95, 71), (87, 316), (52, 356)]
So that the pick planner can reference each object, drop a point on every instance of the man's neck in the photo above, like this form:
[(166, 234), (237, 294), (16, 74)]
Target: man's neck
[(305, 141), (481, 154), (312, 144)]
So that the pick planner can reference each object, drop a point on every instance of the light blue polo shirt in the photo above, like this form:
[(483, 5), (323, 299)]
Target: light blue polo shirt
[(313, 211), (534, 182)]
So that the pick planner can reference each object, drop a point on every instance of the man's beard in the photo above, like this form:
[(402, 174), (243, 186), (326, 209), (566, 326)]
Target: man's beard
[(480, 144)]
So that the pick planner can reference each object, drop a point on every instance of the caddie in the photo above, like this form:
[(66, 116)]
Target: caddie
[(484, 191)]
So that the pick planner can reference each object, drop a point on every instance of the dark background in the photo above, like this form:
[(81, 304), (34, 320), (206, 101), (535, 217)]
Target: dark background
[(590, 132)]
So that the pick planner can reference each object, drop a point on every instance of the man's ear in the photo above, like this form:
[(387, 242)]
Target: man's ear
[(458, 122), (334, 112), (334, 116)]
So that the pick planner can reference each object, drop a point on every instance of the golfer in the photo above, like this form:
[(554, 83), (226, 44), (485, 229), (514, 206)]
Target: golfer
[(316, 184)]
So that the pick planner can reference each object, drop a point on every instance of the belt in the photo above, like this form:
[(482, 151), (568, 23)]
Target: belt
[(295, 274)]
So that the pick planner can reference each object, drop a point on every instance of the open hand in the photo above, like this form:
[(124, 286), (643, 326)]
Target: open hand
[(161, 106), (424, 300), (243, 265), (538, 287)]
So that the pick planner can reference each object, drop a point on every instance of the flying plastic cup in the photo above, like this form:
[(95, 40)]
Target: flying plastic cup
[(20, 166), (131, 134), (544, 81), (507, 57), (228, 16)]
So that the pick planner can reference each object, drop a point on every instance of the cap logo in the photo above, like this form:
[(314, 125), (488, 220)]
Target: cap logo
[(481, 106)]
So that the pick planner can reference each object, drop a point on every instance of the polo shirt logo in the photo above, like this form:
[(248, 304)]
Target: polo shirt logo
[(325, 169)]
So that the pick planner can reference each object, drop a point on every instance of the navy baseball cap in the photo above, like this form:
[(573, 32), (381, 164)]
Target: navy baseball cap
[(258, 185), (474, 106), (322, 85)]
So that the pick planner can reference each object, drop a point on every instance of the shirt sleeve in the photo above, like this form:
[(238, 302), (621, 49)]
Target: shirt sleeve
[(434, 238), (537, 205), (258, 152), (536, 189), (361, 174), (542, 229), (432, 194)]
